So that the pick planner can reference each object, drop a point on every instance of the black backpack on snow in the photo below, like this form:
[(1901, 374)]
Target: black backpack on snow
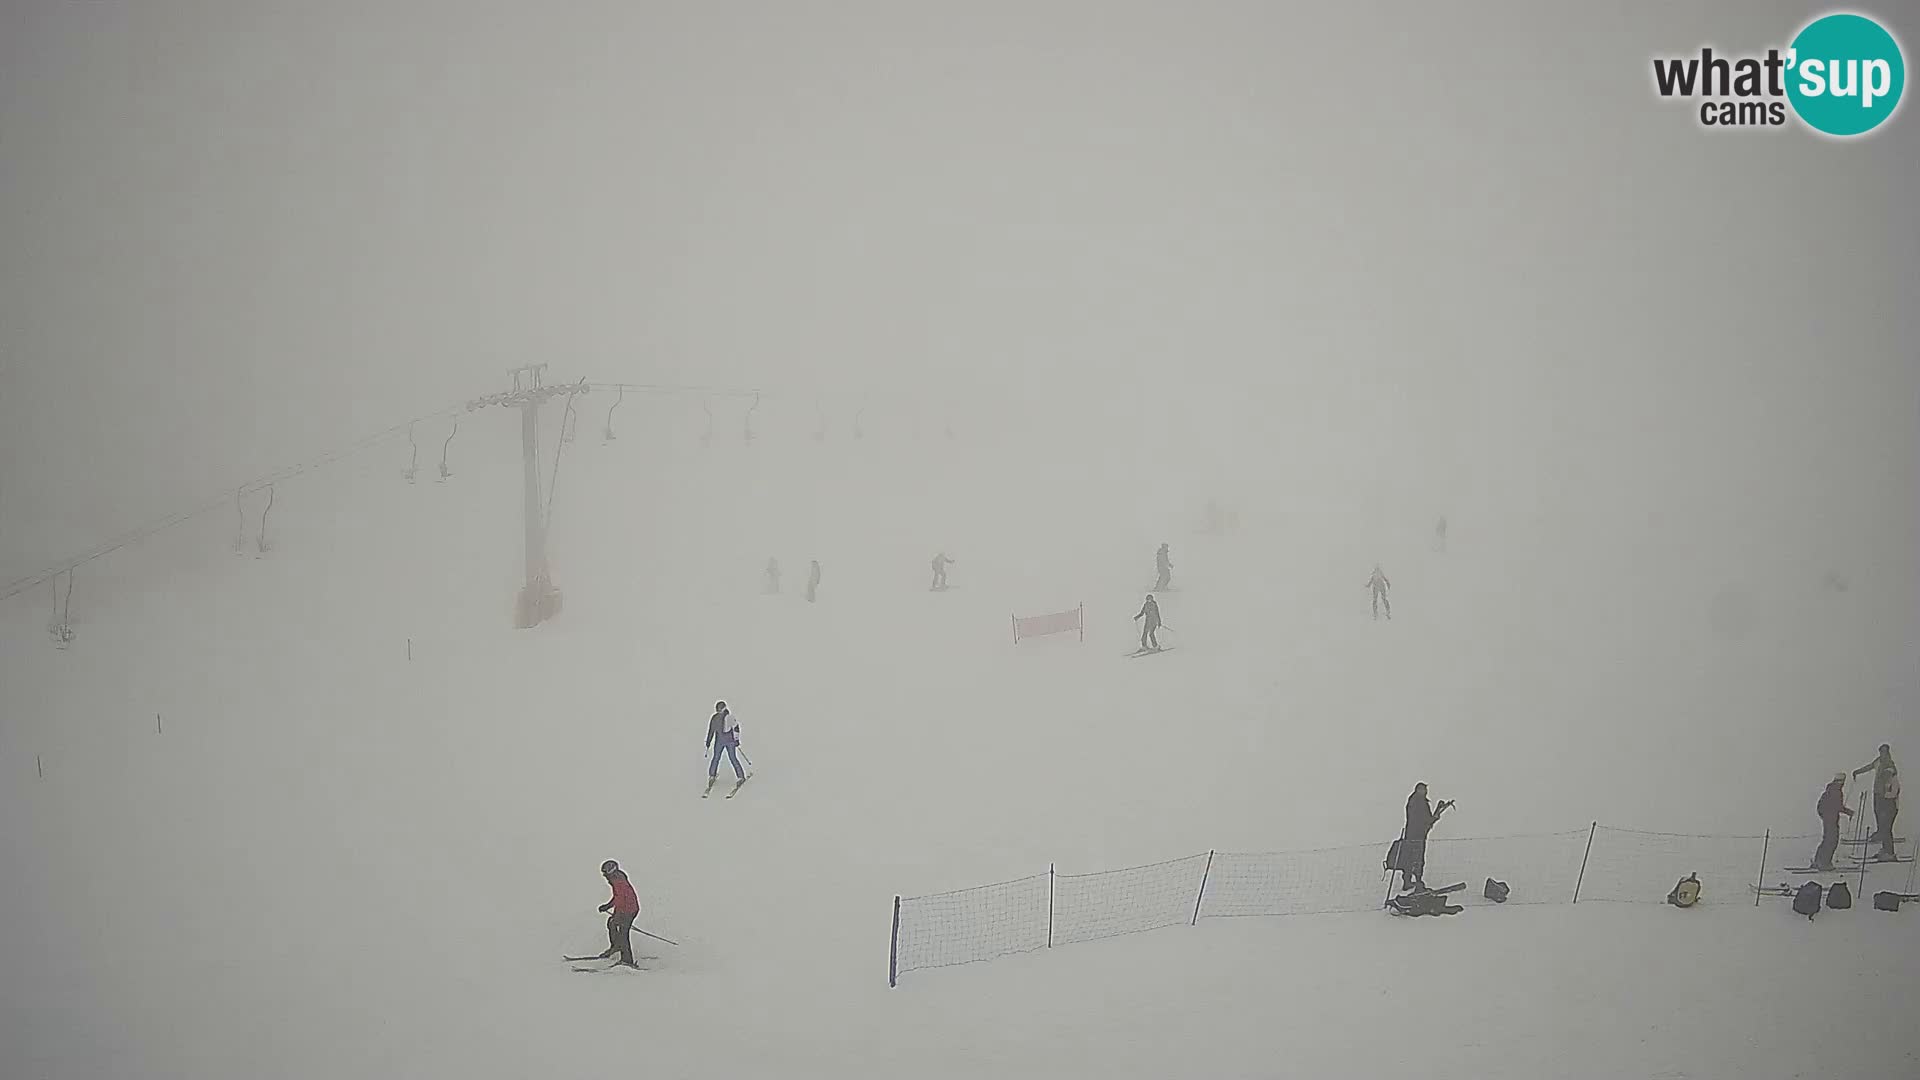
[(1839, 898), (1806, 899), (1887, 901), (1496, 891)]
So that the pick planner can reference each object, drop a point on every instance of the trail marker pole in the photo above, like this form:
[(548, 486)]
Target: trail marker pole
[(1591, 829)]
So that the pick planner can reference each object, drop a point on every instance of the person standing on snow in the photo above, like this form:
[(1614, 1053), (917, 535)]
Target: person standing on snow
[(1833, 804), (723, 735), (813, 580), (940, 564), (1886, 799), (624, 908), (1413, 839), (1164, 565), (1379, 584), (1150, 633), (773, 575)]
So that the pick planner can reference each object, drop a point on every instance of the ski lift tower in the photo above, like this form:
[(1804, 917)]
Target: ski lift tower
[(539, 600)]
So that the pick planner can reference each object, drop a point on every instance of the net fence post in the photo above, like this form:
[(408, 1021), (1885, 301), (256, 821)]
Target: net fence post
[(1082, 609), (1015, 620), (1760, 875), (1201, 895), (1049, 905), (1591, 829), (1864, 848), (893, 948)]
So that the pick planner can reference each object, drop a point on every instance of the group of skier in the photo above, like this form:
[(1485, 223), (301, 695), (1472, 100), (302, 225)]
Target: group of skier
[(813, 578), (1832, 806)]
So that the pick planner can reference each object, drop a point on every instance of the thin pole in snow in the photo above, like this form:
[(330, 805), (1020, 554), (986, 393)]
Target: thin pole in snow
[(1049, 905), (1201, 895), (156, 724), (893, 948), (1760, 876), (1862, 816), (1591, 829), (38, 768)]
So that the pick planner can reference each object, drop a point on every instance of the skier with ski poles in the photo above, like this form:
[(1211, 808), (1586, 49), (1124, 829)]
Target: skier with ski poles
[(1150, 632), (624, 908), (723, 736), (1886, 800), (1832, 804)]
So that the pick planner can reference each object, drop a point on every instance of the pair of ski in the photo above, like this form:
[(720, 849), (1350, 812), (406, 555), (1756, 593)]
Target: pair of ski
[(615, 966), (737, 785), (1150, 652), (1847, 868)]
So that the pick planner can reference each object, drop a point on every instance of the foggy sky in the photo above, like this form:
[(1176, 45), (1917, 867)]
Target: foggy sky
[(1433, 259)]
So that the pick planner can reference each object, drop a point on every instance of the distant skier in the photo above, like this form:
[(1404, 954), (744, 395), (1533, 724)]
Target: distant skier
[(1163, 564), (723, 736), (773, 576), (940, 564), (625, 908), (1379, 584), (1150, 631), (1440, 534), (813, 580), (1886, 799), (1413, 840), (1832, 805)]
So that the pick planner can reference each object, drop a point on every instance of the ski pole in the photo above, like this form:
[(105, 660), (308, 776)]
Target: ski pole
[(657, 937)]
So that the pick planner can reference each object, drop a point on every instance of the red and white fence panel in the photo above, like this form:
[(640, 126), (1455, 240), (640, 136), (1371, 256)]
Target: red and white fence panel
[(1060, 622)]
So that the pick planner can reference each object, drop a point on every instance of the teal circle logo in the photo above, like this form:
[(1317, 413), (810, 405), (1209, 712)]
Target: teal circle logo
[(1845, 74)]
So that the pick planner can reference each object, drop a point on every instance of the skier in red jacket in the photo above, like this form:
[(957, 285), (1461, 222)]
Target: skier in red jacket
[(625, 908)]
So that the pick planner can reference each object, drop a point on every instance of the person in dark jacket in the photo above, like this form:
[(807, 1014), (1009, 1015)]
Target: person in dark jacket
[(1886, 799), (624, 908), (1150, 633), (723, 736), (1413, 839), (1832, 806)]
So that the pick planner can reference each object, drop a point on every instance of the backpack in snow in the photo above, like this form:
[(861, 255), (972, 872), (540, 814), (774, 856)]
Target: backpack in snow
[(1839, 898), (1426, 902), (1686, 892), (1889, 901), (1806, 899), (1496, 891)]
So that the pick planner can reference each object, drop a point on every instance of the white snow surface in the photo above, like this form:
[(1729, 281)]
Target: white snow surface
[(333, 861)]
